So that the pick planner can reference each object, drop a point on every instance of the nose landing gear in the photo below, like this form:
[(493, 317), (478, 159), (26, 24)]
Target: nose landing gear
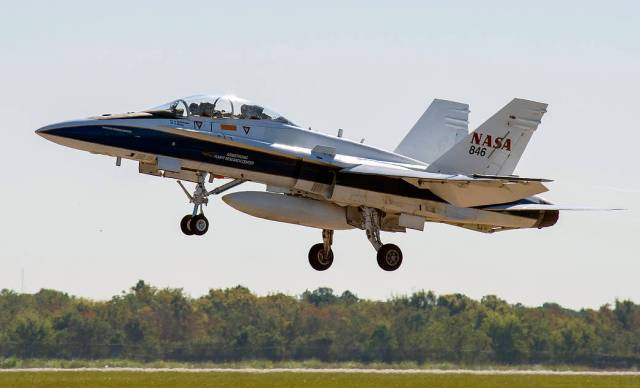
[(185, 225), (196, 223)]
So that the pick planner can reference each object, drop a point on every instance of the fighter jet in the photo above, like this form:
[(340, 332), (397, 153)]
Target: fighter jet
[(440, 172)]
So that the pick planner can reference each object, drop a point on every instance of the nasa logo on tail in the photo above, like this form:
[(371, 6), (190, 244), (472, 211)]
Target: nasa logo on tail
[(502, 143)]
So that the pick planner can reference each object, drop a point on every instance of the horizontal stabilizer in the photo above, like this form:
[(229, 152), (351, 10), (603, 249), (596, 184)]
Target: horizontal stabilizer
[(543, 206), (512, 178), (480, 192), (460, 190), (402, 172)]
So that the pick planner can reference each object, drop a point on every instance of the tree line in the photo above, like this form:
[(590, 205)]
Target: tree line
[(148, 323)]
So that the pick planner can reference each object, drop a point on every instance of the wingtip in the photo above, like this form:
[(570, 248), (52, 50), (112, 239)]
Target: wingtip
[(526, 101)]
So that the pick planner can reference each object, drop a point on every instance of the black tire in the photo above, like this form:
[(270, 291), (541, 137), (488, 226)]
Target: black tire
[(317, 258), (199, 225), (184, 225), (389, 257)]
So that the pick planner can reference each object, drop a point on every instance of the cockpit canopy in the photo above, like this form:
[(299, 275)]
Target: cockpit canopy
[(216, 107)]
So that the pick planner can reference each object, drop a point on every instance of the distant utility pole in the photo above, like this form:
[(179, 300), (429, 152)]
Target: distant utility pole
[(22, 281)]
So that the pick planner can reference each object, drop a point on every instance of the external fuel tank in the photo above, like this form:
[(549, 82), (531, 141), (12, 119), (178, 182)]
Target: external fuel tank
[(289, 209)]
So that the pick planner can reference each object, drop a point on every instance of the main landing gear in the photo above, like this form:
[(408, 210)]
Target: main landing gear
[(196, 223), (389, 256), (321, 255)]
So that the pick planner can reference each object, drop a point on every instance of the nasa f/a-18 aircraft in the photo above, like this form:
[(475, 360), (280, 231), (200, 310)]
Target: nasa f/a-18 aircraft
[(440, 172)]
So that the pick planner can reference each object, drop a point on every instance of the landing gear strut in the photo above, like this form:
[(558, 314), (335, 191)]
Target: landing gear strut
[(389, 255), (196, 223), (321, 255)]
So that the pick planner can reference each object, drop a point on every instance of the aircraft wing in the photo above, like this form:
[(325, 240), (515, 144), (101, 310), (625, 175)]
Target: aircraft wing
[(461, 190)]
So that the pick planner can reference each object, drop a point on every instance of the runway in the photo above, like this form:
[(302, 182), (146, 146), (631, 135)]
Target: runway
[(334, 370)]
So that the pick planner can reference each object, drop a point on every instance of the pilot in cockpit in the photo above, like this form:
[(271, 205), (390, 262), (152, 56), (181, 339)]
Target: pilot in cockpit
[(218, 108), (253, 112), (206, 109), (194, 109)]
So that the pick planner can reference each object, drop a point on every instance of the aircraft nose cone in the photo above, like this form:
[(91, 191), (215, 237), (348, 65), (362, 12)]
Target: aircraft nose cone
[(45, 131), (61, 130), (75, 133)]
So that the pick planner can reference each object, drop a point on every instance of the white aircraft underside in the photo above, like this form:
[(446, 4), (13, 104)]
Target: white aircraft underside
[(439, 173)]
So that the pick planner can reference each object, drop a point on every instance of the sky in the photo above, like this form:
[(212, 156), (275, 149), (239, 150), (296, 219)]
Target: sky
[(75, 222)]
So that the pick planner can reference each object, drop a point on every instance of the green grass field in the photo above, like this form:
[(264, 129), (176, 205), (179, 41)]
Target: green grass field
[(307, 380)]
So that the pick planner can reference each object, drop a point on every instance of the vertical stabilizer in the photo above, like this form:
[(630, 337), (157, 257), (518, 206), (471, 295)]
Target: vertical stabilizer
[(441, 126), (497, 145)]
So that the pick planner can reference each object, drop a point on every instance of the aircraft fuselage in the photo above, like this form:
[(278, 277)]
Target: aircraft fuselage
[(328, 182), (278, 155)]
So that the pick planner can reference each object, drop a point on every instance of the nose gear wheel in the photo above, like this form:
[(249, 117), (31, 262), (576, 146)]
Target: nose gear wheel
[(196, 223), (185, 225)]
